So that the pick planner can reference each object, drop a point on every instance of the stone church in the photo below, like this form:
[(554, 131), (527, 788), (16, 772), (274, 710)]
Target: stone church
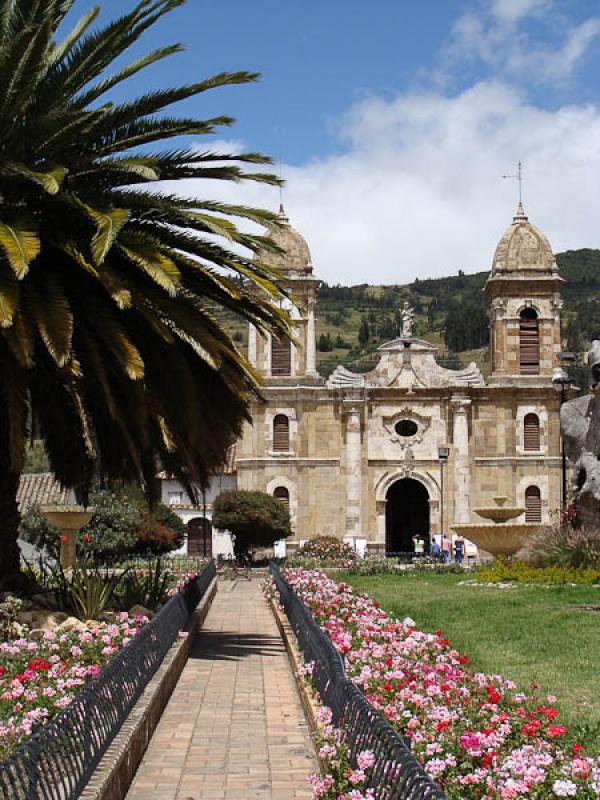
[(411, 447)]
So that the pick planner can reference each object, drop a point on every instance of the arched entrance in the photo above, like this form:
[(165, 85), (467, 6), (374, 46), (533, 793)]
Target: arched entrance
[(199, 537), (406, 515)]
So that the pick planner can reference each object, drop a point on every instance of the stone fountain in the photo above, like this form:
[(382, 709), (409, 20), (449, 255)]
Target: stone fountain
[(69, 520), (500, 536)]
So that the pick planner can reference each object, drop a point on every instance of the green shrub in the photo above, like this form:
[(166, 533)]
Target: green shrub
[(146, 587), (36, 530), (506, 571), (563, 546), (255, 519), (112, 530), (120, 526)]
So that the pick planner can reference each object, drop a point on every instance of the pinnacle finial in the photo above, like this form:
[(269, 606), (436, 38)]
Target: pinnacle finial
[(282, 215), (520, 216)]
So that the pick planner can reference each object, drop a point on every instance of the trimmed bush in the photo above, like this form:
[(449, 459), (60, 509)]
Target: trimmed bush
[(255, 519)]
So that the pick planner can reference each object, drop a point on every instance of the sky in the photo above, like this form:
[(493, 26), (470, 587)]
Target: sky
[(394, 121)]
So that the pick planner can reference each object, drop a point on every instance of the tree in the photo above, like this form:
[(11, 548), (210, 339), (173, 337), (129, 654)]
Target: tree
[(109, 283), (363, 333), (255, 519), (324, 344)]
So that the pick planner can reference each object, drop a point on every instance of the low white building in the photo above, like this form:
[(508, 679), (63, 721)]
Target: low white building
[(202, 539)]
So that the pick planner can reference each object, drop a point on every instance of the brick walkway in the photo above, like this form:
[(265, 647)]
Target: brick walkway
[(234, 727)]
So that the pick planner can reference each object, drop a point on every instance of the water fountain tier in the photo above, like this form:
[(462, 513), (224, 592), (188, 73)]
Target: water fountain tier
[(500, 537)]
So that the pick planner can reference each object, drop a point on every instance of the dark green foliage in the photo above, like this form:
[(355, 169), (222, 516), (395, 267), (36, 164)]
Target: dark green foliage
[(467, 326), (121, 525), (146, 587), (324, 343), (255, 519), (363, 333), (112, 530), (36, 459)]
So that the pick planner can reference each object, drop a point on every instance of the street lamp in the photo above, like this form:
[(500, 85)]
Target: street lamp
[(443, 453), (562, 382)]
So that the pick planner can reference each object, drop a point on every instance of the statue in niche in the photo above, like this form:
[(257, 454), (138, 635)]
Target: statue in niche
[(580, 426), (407, 317)]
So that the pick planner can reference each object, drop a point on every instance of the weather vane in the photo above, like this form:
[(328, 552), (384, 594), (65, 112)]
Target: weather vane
[(519, 177)]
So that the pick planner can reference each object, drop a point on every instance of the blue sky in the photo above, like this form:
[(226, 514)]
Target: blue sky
[(395, 120)]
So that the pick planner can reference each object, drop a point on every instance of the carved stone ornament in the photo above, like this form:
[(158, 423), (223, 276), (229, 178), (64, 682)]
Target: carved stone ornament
[(406, 413)]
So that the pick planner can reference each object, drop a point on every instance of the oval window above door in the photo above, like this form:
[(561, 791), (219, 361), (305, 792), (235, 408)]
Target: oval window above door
[(406, 427)]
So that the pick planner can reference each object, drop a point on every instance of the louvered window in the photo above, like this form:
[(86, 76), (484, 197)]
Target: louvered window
[(531, 432), (282, 494), (529, 343), (533, 504), (281, 433), (281, 356)]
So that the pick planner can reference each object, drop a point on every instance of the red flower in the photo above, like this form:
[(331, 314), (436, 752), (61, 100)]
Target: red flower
[(493, 695), (86, 538), (556, 731), (62, 538), (576, 749), (531, 728)]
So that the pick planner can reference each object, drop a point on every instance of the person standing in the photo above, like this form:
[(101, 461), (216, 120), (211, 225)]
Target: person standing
[(459, 549), (434, 549), (419, 544), (445, 550)]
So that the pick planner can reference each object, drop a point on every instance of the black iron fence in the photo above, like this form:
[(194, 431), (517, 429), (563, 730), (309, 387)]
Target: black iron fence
[(57, 761), (397, 775)]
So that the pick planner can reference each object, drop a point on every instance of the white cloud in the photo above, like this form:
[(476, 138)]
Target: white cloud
[(513, 10), (528, 40), (419, 192)]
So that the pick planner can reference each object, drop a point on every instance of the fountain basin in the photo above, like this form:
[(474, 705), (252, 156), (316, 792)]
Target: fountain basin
[(68, 519), (499, 539), (499, 514)]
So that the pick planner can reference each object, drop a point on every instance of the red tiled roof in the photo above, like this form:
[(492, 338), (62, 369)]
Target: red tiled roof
[(41, 489)]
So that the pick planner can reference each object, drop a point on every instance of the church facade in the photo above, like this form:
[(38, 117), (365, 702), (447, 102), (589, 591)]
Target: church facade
[(411, 447)]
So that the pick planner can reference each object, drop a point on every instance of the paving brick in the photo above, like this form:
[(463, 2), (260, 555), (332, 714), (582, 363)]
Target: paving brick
[(234, 727)]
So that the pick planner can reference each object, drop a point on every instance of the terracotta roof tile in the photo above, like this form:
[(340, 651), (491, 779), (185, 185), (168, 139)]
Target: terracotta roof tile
[(41, 489)]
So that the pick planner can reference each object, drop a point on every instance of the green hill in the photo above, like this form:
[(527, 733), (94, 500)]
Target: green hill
[(451, 313), (352, 321)]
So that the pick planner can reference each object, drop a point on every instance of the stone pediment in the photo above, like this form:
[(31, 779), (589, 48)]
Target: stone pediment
[(407, 364)]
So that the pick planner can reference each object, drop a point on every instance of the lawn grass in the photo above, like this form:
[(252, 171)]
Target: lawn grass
[(527, 634)]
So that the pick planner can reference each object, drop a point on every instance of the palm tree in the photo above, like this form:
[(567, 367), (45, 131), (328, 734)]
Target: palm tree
[(111, 287)]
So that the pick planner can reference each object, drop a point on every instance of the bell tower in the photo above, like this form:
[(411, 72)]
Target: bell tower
[(279, 360), (523, 295)]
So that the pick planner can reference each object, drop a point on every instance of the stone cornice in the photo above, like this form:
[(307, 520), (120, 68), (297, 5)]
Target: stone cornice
[(282, 462)]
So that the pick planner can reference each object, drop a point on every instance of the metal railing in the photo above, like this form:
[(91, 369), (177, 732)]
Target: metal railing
[(397, 775), (58, 760)]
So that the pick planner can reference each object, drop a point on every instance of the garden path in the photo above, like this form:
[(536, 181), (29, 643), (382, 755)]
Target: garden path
[(234, 727)]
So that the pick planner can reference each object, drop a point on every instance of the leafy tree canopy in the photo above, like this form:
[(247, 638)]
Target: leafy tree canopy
[(255, 519), (110, 283)]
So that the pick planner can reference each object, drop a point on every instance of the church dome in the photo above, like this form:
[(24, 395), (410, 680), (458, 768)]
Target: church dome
[(523, 248), (296, 254)]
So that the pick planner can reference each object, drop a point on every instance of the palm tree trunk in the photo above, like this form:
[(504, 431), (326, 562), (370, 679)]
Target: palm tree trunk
[(10, 573)]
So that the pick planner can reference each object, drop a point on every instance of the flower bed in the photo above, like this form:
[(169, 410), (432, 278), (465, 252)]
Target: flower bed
[(474, 733), (325, 551), (40, 678)]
